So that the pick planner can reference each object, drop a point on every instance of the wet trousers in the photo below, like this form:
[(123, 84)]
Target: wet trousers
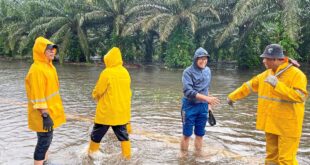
[(43, 143), (281, 150), (99, 130)]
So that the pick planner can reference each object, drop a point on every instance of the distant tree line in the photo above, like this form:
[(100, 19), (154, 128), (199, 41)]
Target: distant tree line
[(158, 31)]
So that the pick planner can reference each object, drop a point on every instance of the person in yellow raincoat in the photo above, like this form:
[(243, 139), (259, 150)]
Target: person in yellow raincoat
[(113, 95), (281, 103), (45, 109)]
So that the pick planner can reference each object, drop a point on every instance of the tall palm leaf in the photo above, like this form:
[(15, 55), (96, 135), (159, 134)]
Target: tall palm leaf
[(60, 20), (259, 11), (116, 17), (113, 13), (14, 26), (165, 15)]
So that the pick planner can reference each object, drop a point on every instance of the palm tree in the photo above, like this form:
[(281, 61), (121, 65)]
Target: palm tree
[(60, 21), (161, 18), (248, 12), (166, 15), (14, 26), (121, 19), (114, 14)]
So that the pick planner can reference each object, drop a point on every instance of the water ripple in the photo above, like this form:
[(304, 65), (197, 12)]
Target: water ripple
[(156, 121)]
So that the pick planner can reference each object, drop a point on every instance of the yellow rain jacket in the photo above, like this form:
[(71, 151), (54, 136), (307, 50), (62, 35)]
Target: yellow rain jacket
[(42, 89), (281, 108), (112, 91)]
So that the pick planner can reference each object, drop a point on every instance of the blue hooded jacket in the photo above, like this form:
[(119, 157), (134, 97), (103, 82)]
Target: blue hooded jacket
[(196, 80)]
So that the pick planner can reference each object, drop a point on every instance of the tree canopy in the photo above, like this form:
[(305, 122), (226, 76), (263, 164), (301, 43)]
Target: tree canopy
[(164, 31)]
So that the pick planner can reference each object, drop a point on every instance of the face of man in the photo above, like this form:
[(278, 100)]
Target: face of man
[(202, 62), (272, 63), (50, 53)]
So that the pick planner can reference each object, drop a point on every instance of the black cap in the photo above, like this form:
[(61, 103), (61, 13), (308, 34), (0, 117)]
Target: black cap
[(273, 51), (51, 46)]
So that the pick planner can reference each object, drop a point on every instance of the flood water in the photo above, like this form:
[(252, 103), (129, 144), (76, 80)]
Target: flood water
[(156, 121)]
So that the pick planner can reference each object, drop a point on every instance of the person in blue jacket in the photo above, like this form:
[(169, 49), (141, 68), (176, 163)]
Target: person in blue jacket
[(196, 102)]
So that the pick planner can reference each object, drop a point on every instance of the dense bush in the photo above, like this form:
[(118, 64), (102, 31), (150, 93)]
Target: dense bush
[(157, 31), (180, 47)]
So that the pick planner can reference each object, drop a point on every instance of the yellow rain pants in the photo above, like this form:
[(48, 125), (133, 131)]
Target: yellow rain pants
[(281, 150)]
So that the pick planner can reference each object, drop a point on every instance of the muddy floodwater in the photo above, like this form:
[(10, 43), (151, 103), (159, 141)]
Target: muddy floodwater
[(156, 121)]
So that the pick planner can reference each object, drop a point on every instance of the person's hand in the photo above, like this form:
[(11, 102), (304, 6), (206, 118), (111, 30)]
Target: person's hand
[(210, 108), (47, 122), (230, 102), (272, 80), (212, 100)]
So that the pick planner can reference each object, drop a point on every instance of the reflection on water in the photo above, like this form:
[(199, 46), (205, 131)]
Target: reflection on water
[(155, 120)]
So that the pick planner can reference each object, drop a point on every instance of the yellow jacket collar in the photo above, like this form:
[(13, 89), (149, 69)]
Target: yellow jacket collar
[(282, 66), (113, 58), (39, 49)]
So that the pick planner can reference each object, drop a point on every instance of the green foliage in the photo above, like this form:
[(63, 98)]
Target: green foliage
[(273, 32), (150, 31), (252, 44), (122, 43), (166, 15), (180, 49), (74, 52), (248, 53), (304, 47), (256, 11), (1, 46)]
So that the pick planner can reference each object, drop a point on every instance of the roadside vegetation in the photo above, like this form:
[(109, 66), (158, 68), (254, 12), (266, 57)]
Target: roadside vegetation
[(161, 31)]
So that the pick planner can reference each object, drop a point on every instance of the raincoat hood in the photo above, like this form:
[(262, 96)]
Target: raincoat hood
[(196, 80), (200, 52), (113, 58), (39, 49), (112, 91), (42, 88)]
